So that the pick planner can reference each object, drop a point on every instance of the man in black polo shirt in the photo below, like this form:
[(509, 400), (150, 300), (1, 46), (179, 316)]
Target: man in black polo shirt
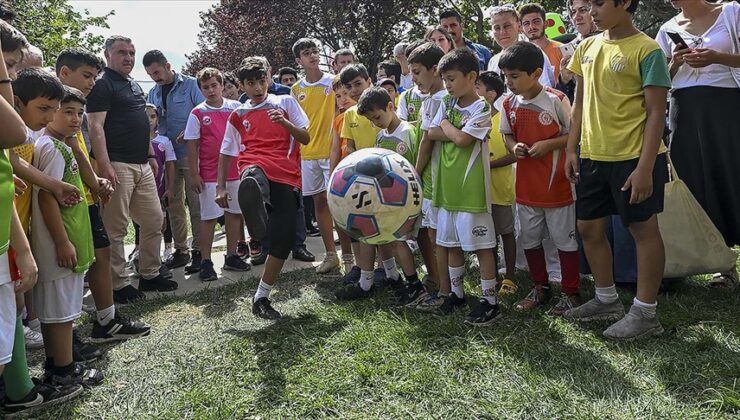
[(119, 135)]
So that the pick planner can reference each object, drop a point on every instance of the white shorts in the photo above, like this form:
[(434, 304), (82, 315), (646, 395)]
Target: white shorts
[(469, 231), (314, 176), (429, 214), (8, 317), (557, 224), (209, 210), (58, 301)]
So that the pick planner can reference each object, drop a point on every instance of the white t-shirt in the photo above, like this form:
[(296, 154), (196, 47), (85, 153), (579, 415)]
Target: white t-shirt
[(406, 81), (717, 38), (548, 72)]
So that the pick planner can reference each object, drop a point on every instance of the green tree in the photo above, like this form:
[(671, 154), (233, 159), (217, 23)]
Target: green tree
[(54, 25)]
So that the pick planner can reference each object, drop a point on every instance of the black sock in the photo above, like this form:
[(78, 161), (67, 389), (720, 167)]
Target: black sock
[(64, 370)]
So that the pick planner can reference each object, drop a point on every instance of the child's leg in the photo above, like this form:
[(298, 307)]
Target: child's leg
[(58, 342), (345, 242), (33, 319), (561, 223), (427, 246), (456, 268), (325, 222), (442, 261), (233, 231), (650, 258), (100, 282), (206, 237), (509, 243), (8, 316), (533, 226), (16, 376), (406, 259), (366, 261), (598, 251), (488, 273)]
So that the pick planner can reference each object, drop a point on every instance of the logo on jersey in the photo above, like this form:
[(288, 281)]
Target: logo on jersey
[(242, 148), (327, 91), (545, 118), (479, 231), (411, 108), (401, 148), (512, 117), (207, 120), (246, 125), (160, 146), (301, 96), (73, 167), (586, 60), (618, 64), (353, 125)]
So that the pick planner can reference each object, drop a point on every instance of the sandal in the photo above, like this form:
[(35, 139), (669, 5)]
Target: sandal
[(508, 288), (724, 281)]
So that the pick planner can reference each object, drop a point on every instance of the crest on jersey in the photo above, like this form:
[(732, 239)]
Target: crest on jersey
[(73, 167), (301, 96), (402, 148), (512, 117), (160, 146), (545, 118), (411, 108), (207, 120), (618, 64), (246, 125), (327, 91)]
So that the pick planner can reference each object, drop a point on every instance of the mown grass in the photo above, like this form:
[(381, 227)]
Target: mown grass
[(209, 358)]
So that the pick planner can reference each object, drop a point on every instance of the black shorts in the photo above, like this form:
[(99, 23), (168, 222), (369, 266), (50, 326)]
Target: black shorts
[(600, 194), (99, 234)]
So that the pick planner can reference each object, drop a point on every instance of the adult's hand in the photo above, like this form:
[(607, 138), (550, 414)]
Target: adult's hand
[(105, 170)]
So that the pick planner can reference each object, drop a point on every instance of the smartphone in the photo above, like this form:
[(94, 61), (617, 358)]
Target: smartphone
[(676, 38), (567, 50)]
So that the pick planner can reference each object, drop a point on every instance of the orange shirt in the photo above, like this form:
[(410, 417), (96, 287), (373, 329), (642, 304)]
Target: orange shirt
[(337, 126), (554, 55)]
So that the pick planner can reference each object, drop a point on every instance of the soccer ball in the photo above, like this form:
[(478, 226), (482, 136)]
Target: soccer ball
[(375, 196)]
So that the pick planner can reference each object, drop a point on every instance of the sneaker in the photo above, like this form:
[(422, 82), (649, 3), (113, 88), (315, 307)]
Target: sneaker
[(255, 248), (178, 259), (353, 292), (259, 259), (397, 285), (41, 396), (164, 271), (207, 273), (634, 326), (538, 296), (303, 254), (450, 304), (595, 310), (134, 264), (473, 262), (430, 285), (508, 288), (565, 303), (262, 308), (78, 374), (242, 250), (131, 257), (194, 265), (431, 303), (232, 262), (313, 231), (82, 351), (483, 315), (119, 329), (412, 294), (379, 278), (128, 294), (159, 284), (253, 206), (34, 339), (168, 251), (330, 263), (352, 276)]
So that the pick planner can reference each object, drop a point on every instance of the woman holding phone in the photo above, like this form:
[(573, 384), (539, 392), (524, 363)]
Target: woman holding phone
[(704, 118)]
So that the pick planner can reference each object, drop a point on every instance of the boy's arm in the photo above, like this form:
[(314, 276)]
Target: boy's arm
[(502, 162), (572, 171), (98, 186), (196, 181), (222, 196), (23, 256), (425, 152), (170, 180), (96, 121), (335, 155), (541, 148), (641, 179), (297, 121), (66, 255), (66, 194), (455, 135)]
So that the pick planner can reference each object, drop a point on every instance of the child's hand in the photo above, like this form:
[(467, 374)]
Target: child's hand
[(277, 116), (222, 197), (521, 150), (641, 183), (66, 255), (539, 150), (20, 186), (572, 170), (196, 183), (28, 270), (67, 195)]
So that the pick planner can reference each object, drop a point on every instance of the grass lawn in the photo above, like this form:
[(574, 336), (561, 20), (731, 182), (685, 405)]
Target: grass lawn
[(208, 357)]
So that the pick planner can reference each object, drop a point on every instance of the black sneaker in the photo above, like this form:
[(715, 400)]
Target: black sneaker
[(178, 259), (194, 265), (303, 254), (232, 262), (255, 248), (313, 231), (353, 276), (158, 284), (41, 396), (128, 294), (379, 277), (450, 304), (253, 206), (262, 308), (164, 271), (259, 259), (77, 374), (242, 250), (207, 273), (82, 351), (396, 285), (120, 328), (483, 315), (353, 292), (411, 295)]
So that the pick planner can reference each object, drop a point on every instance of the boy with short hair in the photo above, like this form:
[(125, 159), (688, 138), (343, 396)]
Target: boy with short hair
[(391, 87), (390, 69), (461, 185), (491, 87), (262, 135), (535, 126), (314, 94), (287, 76), (204, 133), (58, 293), (618, 119), (231, 86)]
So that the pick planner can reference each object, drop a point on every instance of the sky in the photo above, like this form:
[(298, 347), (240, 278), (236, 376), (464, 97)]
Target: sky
[(169, 26)]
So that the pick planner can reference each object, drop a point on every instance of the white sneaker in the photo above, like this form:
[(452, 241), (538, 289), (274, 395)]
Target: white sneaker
[(330, 263), (34, 339), (168, 250), (88, 303)]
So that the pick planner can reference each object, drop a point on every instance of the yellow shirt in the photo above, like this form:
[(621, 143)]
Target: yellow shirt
[(502, 179), (615, 75), (318, 102), (23, 201), (359, 129), (83, 147)]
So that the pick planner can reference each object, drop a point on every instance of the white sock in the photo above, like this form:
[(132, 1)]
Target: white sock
[(263, 290), (488, 290), (607, 294), (366, 280), (105, 316), (457, 275), (34, 324), (391, 271), (648, 309)]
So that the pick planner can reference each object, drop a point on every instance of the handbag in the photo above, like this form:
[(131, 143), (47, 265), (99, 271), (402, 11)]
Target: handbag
[(731, 16), (693, 245)]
